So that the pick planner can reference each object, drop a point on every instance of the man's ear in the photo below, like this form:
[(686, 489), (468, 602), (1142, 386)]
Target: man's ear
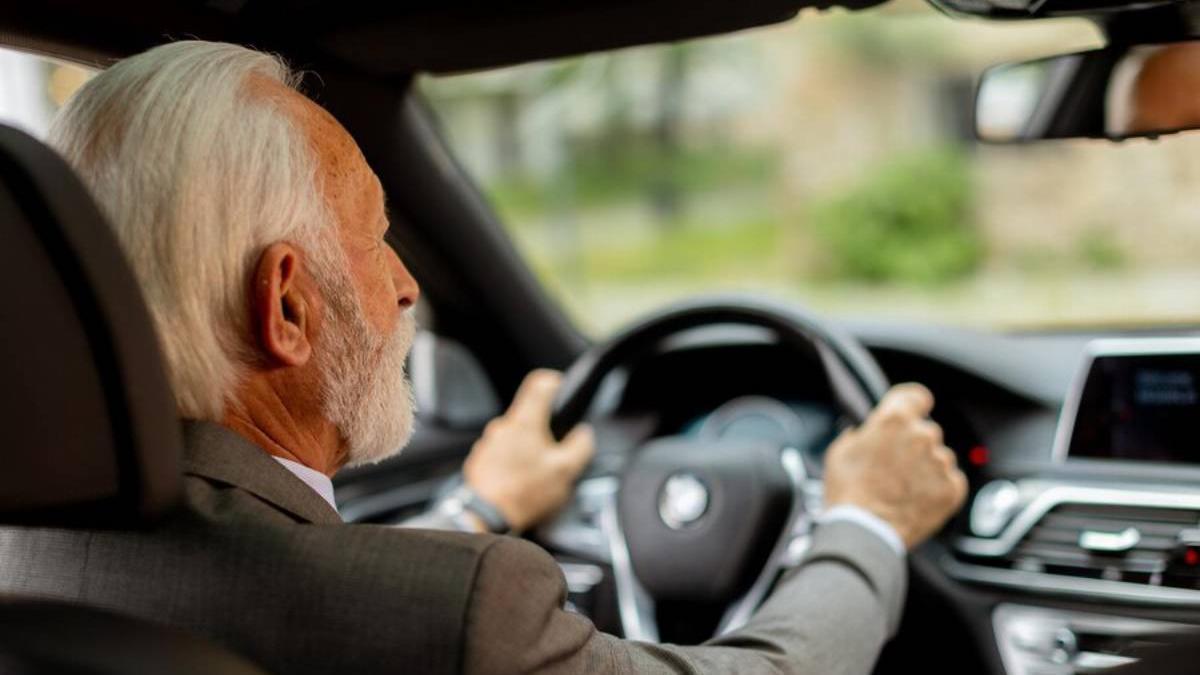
[(282, 307)]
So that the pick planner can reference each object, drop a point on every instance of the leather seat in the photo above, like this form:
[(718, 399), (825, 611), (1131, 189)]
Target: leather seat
[(91, 436)]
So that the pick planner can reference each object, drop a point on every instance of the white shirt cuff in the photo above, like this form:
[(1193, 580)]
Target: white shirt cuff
[(863, 517)]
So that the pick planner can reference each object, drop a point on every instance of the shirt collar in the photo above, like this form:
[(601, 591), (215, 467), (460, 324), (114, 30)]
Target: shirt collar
[(319, 482), (217, 453)]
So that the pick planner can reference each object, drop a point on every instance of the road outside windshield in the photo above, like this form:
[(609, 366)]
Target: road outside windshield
[(827, 161)]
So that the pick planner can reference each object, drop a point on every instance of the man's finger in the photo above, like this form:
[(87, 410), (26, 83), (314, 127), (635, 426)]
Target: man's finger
[(577, 449), (946, 457), (961, 487), (535, 397), (906, 399)]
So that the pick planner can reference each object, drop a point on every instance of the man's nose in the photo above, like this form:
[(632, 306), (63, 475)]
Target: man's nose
[(407, 289)]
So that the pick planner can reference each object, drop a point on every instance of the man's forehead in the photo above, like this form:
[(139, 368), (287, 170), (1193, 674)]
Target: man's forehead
[(347, 177)]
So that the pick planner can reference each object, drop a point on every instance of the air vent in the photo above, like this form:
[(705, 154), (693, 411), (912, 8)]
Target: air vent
[(1146, 545)]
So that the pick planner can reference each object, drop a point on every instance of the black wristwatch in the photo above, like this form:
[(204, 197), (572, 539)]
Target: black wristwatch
[(462, 499)]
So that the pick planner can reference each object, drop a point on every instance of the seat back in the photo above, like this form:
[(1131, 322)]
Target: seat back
[(91, 433), (92, 439), (41, 637)]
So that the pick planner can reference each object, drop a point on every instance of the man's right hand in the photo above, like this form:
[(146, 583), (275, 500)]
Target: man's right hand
[(897, 467), (518, 466)]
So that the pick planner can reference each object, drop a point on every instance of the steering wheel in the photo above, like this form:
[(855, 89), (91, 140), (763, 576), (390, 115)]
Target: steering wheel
[(710, 521)]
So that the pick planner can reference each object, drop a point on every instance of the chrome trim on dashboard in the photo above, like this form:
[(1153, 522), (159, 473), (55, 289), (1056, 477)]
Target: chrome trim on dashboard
[(1043, 641), (1055, 584), (1053, 495), (1098, 541), (581, 577), (1109, 347), (634, 604)]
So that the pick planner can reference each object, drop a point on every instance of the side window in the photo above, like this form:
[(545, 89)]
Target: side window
[(33, 88)]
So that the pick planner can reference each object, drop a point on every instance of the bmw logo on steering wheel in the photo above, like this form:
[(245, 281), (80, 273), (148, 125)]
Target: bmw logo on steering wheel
[(682, 501)]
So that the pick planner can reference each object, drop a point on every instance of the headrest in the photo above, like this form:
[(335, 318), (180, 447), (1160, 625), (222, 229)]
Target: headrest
[(89, 435)]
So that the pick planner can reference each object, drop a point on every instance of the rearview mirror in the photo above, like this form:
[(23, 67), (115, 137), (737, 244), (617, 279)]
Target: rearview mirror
[(1114, 93)]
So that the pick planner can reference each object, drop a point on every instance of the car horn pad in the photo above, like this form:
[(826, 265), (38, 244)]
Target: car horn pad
[(701, 518)]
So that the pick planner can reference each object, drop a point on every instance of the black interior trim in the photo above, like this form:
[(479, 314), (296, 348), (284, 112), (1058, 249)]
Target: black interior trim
[(143, 438), (390, 38)]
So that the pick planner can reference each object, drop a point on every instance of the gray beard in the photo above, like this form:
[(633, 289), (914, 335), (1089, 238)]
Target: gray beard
[(367, 395)]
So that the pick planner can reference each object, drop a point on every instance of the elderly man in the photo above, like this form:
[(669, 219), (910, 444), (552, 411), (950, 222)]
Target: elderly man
[(257, 231)]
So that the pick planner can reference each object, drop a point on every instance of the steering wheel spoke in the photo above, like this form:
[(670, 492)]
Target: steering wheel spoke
[(789, 550), (634, 604), (591, 529), (576, 530)]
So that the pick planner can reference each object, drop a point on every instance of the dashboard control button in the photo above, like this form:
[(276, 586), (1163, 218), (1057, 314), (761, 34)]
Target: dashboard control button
[(995, 505), (1064, 646), (1110, 542)]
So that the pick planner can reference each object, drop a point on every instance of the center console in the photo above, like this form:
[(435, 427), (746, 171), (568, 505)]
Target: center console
[(1113, 520), (1039, 641)]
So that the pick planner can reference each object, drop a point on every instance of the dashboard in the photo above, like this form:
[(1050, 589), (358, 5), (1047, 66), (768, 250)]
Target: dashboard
[(1082, 525), (1081, 540), (1109, 515)]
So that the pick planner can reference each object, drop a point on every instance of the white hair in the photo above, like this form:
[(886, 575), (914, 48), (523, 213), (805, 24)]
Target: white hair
[(197, 175)]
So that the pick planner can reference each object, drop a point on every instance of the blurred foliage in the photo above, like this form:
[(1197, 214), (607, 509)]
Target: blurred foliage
[(1037, 260), (909, 220), (1099, 250), (694, 248), (1095, 249), (611, 172)]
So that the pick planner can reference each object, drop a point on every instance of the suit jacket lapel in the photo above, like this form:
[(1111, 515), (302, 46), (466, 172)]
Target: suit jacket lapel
[(214, 452)]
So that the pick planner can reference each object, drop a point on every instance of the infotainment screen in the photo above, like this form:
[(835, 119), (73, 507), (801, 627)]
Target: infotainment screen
[(1142, 407)]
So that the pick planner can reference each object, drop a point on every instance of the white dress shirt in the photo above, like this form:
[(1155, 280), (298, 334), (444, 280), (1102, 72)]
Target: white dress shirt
[(319, 482)]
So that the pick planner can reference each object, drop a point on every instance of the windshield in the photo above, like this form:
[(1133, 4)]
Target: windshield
[(32, 88), (829, 161)]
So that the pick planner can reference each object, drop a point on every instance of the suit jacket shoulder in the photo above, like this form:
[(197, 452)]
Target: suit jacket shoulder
[(231, 479), (259, 562), (295, 598)]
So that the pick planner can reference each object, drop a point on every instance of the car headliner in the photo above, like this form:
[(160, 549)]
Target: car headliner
[(385, 39)]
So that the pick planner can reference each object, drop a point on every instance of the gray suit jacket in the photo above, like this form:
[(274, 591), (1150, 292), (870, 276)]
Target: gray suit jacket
[(256, 560)]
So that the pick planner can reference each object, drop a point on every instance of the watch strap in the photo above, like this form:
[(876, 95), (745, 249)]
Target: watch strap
[(487, 512)]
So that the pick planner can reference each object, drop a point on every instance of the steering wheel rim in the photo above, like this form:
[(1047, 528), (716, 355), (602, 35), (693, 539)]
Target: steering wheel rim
[(855, 379)]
